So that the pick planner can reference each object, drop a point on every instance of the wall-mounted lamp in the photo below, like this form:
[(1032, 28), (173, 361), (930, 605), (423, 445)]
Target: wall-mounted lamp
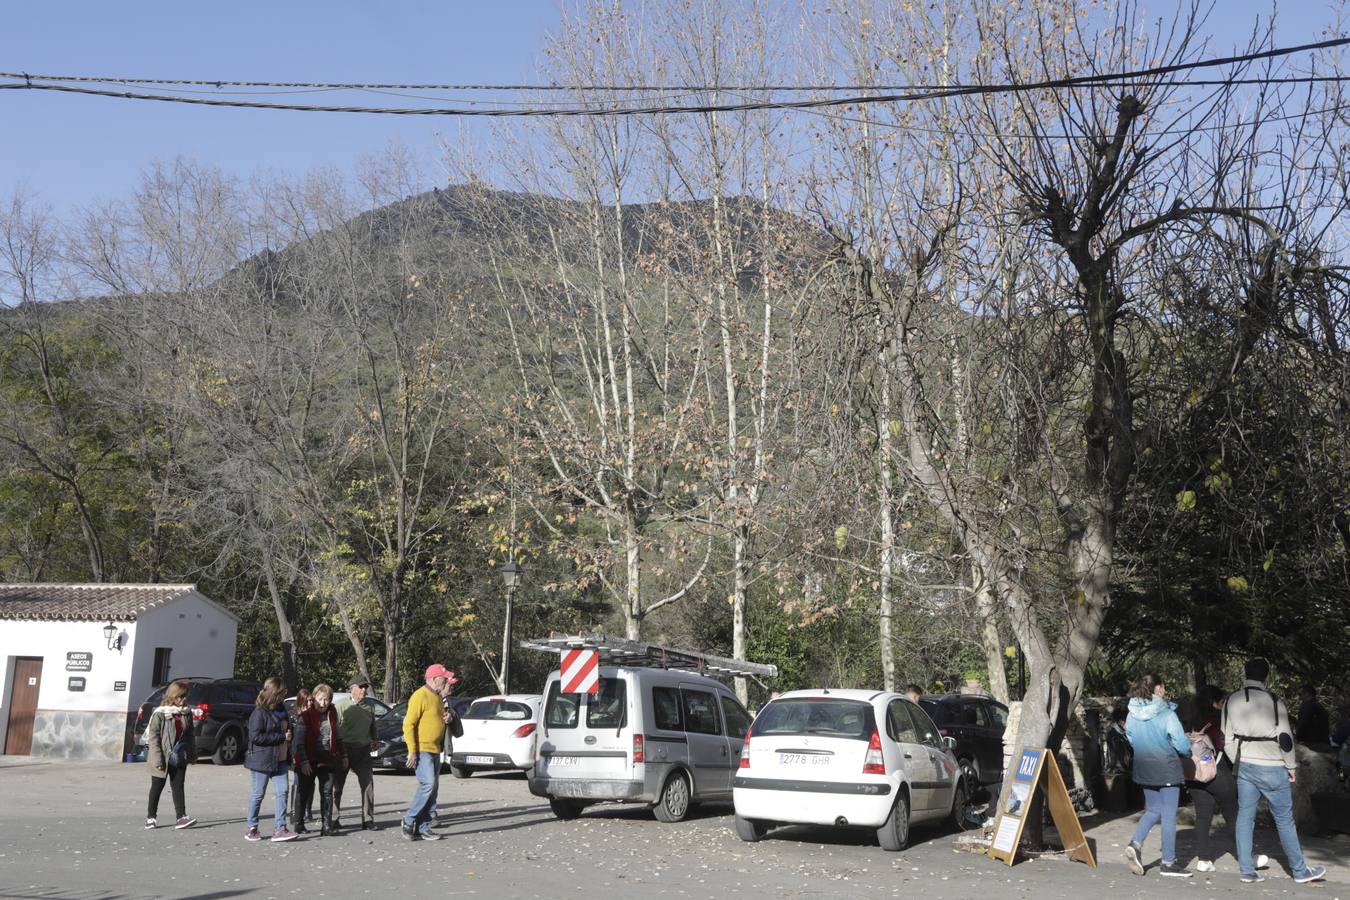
[(113, 637)]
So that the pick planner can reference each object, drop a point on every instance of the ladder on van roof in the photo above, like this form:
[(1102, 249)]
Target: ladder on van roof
[(617, 651)]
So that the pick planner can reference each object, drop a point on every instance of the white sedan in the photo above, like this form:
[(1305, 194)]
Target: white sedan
[(851, 758), (499, 733)]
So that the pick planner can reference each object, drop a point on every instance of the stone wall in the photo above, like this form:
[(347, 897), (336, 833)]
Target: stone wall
[(70, 734)]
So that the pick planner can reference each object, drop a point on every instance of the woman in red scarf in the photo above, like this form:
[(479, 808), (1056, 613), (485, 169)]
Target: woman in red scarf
[(319, 752)]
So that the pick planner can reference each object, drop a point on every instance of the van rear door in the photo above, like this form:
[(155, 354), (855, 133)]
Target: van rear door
[(587, 736)]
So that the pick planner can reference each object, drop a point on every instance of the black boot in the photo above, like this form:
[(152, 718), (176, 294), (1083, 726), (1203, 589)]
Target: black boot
[(326, 807)]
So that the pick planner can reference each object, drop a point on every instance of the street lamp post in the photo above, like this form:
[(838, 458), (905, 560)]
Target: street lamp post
[(511, 573)]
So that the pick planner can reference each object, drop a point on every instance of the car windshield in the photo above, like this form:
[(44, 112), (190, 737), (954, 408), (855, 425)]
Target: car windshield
[(498, 708), (816, 715)]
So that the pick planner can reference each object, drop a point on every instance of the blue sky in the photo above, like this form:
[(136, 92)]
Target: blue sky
[(72, 150)]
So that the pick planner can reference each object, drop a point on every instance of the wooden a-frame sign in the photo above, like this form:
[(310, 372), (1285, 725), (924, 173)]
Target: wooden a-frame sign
[(1032, 774)]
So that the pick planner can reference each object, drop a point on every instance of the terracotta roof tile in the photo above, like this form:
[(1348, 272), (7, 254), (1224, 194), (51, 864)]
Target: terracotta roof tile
[(85, 602)]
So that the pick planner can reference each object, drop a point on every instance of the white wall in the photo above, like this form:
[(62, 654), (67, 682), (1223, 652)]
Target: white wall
[(52, 641), (201, 634)]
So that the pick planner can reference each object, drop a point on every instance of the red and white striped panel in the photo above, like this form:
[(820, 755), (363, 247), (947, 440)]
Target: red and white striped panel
[(580, 671)]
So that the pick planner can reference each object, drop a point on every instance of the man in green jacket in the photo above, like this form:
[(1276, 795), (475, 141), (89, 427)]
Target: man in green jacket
[(356, 731)]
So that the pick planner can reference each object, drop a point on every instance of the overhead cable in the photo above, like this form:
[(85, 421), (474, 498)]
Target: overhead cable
[(641, 88), (611, 109)]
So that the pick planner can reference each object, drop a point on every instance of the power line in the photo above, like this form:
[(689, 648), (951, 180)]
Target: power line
[(641, 88), (909, 94), (665, 92), (659, 89)]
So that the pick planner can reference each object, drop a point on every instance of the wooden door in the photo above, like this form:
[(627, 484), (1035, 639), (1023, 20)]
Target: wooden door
[(23, 700)]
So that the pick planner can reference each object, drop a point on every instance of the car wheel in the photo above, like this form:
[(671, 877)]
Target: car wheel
[(229, 748), (750, 830), (960, 800), (674, 803), (894, 832), (460, 771), (564, 809)]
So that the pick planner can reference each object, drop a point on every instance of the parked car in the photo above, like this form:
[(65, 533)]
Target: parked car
[(377, 705), (977, 724), (499, 734), (220, 711), (662, 737), (850, 758), (392, 752)]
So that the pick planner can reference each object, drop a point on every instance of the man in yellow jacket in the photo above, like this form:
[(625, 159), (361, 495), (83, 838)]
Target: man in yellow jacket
[(424, 733)]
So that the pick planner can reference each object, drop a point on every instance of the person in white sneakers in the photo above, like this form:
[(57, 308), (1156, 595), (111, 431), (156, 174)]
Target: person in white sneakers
[(1220, 792), (1158, 740), (1259, 741), (170, 747)]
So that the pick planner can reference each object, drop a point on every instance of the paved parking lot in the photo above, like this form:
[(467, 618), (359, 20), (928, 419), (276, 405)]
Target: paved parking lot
[(73, 830)]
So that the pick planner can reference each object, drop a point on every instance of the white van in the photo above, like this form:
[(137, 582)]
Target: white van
[(650, 735)]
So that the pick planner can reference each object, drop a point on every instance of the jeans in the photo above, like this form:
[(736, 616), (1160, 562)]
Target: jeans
[(1160, 805), (359, 754), (279, 782), (1272, 782), (424, 800), (174, 776)]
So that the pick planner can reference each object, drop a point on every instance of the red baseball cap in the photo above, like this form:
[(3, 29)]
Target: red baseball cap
[(436, 670)]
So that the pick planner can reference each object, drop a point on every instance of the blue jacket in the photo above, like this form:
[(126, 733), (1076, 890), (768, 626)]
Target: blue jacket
[(1158, 740), (267, 751)]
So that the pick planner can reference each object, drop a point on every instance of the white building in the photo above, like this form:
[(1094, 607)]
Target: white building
[(78, 660)]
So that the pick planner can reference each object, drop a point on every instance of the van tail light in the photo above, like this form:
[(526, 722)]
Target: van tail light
[(873, 763), (199, 711), (943, 731), (639, 753), (745, 749), (524, 730)]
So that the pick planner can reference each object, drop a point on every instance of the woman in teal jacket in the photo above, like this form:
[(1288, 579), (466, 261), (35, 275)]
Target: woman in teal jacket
[(1158, 742)]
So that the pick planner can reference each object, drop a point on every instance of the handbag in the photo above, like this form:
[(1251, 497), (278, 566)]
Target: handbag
[(1202, 764), (178, 754)]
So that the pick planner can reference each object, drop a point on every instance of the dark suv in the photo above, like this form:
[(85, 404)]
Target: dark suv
[(977, 724), (220, 711)]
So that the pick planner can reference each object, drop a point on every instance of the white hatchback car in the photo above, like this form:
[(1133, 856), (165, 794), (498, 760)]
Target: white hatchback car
[(498, 734), (851, 758)]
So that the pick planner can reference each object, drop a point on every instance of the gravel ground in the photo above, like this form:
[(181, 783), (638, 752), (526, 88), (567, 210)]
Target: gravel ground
[(73, 830)]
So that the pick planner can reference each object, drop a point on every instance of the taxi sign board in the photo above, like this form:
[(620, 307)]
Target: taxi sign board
[(1037, 769)]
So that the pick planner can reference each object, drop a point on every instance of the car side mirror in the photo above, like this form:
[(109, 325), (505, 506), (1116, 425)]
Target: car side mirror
[(949, 742)]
